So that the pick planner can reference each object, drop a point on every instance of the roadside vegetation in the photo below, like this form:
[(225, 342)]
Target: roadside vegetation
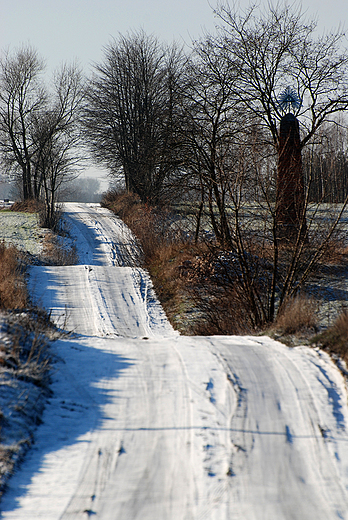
[(195, 279), (334, 339), (25, 332), (196, 142), (25, 360)]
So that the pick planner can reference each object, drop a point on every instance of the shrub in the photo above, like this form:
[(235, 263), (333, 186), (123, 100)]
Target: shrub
[(193, 282), (153, 226), (28, 206)]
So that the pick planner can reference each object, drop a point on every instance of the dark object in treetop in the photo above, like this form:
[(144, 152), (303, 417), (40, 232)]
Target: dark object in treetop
[(290, 187)]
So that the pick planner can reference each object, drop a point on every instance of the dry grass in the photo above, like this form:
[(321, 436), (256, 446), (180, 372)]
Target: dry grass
[(25, 351), (149, 224), (24, 367), (26, 326), (28, 206), (163, 253), (297, 316), (13, 293), (220, 311), (171, 286), (196, 283), (220, 308), (56, 252), (336, 251), (24, 357), (187, 277), (123, 204), (335, 339)]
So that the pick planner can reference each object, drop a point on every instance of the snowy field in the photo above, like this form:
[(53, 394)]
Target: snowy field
[(21, 230), (146, 424)]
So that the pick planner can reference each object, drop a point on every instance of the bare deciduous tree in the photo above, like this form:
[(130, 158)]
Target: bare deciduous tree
[(22, 98), (38, 128), (57, 136), (131, 114), (211, 128), (277, 49)]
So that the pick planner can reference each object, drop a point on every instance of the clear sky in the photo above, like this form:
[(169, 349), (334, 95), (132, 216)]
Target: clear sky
[(69, 30), (65, 30)]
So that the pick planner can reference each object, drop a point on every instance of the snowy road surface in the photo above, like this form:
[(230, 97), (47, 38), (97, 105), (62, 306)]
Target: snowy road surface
[(146, 424)]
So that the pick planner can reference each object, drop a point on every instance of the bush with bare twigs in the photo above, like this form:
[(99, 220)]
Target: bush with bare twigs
[(28, 206), (154, 226), (193, 282)]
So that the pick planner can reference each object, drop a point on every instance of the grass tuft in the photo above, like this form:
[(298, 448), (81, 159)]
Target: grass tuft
[(335, 338), (298, 315)]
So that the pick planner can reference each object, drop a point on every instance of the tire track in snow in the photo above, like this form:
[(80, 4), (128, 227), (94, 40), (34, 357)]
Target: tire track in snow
[(281, 453), (100, 231)]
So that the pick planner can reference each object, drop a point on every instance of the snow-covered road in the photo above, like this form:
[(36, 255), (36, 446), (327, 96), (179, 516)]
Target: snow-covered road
[(144, 423)]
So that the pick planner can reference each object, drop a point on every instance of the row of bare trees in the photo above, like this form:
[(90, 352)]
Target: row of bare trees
[(210, 124), (232, 119), (151, 114), (203, 128)]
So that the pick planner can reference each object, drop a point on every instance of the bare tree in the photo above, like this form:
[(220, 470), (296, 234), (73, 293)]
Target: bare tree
[(39, 128), (325, 160), (55, 166), (277, 49), (22, 98), (210, 129), (254, 58), (57, 136), (131, 113)]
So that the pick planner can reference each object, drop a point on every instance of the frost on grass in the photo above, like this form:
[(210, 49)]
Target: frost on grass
[(38, 245), (24, 365), (22, 230)]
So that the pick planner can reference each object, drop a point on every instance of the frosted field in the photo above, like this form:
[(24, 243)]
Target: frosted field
[(21, 230)]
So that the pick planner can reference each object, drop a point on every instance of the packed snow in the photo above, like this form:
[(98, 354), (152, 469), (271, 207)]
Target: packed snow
[(145, 423)]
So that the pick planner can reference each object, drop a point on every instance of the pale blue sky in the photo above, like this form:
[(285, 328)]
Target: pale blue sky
[(64, 30)]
